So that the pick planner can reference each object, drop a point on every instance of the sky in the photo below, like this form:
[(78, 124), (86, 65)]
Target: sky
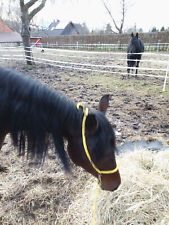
[(143, 14)]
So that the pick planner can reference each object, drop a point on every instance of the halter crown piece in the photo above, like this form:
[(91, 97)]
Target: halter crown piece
[(85, 112)]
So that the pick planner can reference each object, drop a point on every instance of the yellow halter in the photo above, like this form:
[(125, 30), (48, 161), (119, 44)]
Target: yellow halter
[(85, 112)]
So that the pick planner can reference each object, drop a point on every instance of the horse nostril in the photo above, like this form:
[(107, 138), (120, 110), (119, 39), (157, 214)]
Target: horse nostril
[(109, 187)]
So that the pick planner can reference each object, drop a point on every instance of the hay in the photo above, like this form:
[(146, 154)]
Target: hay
[(44, 196), (143, 197)]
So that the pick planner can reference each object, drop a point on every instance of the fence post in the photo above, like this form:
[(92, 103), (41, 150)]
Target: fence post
[(118, 45), (165, 80), (77, 45), (158, 45)]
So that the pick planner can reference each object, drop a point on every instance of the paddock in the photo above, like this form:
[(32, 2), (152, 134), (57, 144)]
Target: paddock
[(139, 109), (153, 64)]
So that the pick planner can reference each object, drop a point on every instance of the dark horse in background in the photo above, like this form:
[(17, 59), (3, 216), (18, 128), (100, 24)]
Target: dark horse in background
[(36, 115), (133, 59)]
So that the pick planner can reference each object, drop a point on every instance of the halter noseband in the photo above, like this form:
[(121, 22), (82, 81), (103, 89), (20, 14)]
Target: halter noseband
[(85, 112)]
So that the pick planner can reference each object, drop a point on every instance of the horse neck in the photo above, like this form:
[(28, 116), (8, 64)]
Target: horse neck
[(72, 123)]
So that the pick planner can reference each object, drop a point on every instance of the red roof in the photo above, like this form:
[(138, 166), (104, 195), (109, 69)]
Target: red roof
[(7, 34), (4, 27)]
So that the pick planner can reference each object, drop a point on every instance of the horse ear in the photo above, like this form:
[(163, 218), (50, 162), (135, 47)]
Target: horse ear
[(104, 103), (91, 123), (132, 34), (136, 35)]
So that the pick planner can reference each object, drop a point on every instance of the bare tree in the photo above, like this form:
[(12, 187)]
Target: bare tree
[(26, 16), (1, 8), (13, 18), (119, 28)]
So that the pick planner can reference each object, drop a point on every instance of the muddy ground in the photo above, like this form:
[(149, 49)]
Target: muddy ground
[(139, 109)]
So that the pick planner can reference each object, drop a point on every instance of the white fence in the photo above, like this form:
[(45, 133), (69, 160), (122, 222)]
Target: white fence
[(153, 64), (107, 47)]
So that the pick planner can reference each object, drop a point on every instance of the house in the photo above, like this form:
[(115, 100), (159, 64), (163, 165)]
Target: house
[(61, 28), (8, 36), (51, 31), (75, 28)]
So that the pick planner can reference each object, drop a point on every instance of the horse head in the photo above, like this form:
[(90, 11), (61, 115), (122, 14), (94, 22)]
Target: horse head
[(100, 143), (134, 45)]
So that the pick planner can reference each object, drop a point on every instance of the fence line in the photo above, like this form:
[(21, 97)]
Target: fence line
[(87, 57), (40, 61), (113, 59), (104, 66), (93, 65), (106, 53), (85, 52), (48, 61), (89, 66), (109, 47)]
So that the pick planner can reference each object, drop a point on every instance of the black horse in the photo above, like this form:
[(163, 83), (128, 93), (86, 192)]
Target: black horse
[(35, 115), (133, 59)]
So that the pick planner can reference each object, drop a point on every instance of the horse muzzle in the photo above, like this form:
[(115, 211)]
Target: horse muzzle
[(110, 183)]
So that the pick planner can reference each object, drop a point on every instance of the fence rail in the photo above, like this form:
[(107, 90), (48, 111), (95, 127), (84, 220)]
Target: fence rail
[(153, 64), (106, 47)]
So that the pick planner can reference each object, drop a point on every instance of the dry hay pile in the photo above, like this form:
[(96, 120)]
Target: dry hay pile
[(143, 197), (44, 196)]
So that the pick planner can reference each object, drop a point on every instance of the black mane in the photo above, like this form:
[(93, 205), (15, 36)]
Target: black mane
[(35, 114)]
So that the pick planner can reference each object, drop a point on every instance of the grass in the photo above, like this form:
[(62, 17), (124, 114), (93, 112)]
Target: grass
[(30, 67), (143, 86)]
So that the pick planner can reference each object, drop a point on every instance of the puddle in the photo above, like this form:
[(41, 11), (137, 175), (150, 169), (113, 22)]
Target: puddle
[(142, 144)]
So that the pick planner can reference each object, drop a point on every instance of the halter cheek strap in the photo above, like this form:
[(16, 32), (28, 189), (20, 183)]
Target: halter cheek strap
[(85, 112)]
